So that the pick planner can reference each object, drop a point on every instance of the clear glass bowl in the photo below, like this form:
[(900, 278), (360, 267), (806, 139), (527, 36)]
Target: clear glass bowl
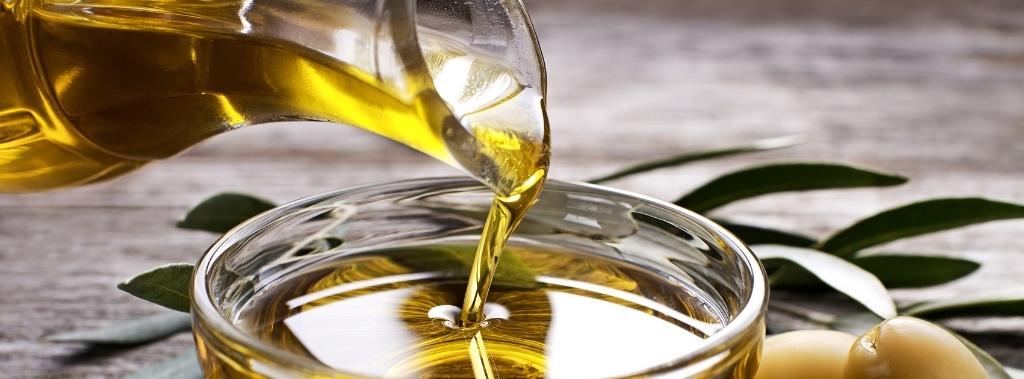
[(704, 259)]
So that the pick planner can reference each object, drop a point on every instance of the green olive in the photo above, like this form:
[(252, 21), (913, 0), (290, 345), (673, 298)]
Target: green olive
[(805, 354), (910, 348)]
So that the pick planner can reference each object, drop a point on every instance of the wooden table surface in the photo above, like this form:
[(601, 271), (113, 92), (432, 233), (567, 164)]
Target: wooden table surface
[(933, 89)]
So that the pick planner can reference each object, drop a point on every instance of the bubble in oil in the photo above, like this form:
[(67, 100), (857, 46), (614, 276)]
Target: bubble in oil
[(448, 315)]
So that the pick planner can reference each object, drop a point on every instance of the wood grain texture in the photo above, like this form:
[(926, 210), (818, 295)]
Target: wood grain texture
[(933, 89)]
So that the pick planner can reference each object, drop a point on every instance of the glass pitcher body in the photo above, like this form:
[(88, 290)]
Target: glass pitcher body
[(92, 89)]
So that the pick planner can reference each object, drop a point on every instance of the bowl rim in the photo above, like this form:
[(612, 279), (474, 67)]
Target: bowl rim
[(732, 334)]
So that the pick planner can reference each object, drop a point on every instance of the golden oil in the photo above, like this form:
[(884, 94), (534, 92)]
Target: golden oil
[(550, 313), (92, 89)]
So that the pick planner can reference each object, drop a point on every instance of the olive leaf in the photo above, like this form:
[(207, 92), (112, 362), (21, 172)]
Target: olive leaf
[(894, 270), (907, 271), (773, 327), (855, 323), (1005, 302), (758, 235), (916, 219), (992, 366), (1013, 372), (839, 274), (131, 332), (679, 159), (804, 314), (184, 366), (221, 212), (782, 177), (166, 285)]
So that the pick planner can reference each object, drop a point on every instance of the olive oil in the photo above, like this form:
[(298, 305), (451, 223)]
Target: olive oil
[(550, 313), (92, 89)]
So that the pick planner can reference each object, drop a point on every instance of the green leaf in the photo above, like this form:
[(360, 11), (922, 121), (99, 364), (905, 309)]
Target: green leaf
[(167, 285), (855, 323), (992, 366), (782, 177), (1014, 373), (221, 212), (1006, 302), (800, 312), (757, 235), (184, 366), (908, 271), (839, 274), (131, 332), (773, 327), (893, 269), (680, 159), (916, 219)]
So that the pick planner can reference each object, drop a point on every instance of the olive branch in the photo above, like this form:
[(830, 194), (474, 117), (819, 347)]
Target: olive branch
[(798, 264)]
